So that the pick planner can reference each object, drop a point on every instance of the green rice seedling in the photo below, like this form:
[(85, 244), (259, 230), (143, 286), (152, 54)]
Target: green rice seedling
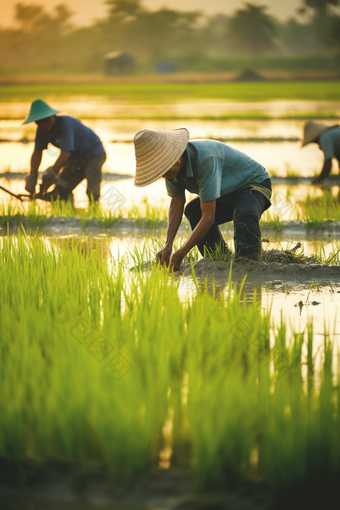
[(84, 222), (8, 212), (107, 220), (102, 364), (218, 254), (288, 192), (272, 172), (144, 255), (316, 210), (291, 173), (34, 217), (333, 258), (154, 214), (193, 254), (62, 208), (134, 212), (151, 215), (272, 221)]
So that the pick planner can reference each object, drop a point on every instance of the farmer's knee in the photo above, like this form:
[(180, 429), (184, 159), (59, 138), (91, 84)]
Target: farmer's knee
[(192, 209), (246, 217), (62, 193)]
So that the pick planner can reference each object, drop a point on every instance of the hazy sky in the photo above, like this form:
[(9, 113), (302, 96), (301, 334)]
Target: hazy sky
[(87, 10)]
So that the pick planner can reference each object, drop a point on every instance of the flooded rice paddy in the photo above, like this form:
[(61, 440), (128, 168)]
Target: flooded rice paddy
[(282, 158), (296, 292)]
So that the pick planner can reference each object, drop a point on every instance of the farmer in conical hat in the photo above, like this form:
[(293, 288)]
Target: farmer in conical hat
[(82, 153), (229, 184), (328, 139)]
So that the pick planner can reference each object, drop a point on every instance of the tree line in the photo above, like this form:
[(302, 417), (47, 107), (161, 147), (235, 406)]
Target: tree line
[(48, 41)]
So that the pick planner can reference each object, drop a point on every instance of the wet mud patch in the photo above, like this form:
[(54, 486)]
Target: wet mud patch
[(284, 265), (88, 488)]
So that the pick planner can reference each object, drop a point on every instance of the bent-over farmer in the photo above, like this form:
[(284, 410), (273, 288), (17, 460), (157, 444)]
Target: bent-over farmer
[(328, 139), (229, 184), (82, 154)]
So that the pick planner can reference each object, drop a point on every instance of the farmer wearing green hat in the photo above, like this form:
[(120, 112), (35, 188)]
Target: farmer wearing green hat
[(82, 153)]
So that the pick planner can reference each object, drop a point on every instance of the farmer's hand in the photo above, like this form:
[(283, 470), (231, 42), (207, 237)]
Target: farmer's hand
[(31, 181), (49, 177), (176, 261), (163, 256)]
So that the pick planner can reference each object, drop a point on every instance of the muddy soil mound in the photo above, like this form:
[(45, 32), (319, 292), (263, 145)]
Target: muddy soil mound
[(287, 256), (285, 265)]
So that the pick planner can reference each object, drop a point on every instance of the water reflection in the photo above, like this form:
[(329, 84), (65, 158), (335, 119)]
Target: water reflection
[(156, 196), (320, 302), (275, 156)]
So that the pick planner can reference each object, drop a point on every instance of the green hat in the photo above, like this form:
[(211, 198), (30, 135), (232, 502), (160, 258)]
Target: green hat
[(39, 110)]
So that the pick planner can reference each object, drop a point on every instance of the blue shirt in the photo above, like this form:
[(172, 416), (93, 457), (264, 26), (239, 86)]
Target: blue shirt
[(213, 170), (329, 142), (69, 134)]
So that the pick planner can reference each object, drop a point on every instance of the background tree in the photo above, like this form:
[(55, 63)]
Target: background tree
[(43, 39), (334, 34), (252, 30), (294, 36), (39, 34), (321, 11)]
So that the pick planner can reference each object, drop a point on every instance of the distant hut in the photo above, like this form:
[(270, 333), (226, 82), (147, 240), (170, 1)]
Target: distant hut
[(118, 62)]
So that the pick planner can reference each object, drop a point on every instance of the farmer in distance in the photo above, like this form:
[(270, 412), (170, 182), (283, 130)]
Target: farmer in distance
[(82, 153), (229, 184), (328, 139)]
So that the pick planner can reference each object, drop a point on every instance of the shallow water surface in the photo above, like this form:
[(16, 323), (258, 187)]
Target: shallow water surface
[(296, 301), (279, 157)]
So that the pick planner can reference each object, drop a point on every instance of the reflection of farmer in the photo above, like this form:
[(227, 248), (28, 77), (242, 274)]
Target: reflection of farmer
[(328, 139), (229, 185), (82, 153)]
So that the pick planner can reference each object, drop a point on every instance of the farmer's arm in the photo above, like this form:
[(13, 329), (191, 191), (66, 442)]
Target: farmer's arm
[(31, 179), (61, 161), (324, 172), (175, 217), (49, 176), (67, 144), (35, 162), (202, 228)]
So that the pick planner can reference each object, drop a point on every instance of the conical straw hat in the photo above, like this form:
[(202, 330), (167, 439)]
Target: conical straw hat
[(156, 152), (312, 130), (40, 110)]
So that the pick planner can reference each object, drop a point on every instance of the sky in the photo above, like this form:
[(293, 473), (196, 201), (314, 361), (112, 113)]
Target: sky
[(88, 10)]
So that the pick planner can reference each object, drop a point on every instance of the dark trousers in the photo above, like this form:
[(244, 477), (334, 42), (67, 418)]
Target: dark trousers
[(245, 212), (78, 169)]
